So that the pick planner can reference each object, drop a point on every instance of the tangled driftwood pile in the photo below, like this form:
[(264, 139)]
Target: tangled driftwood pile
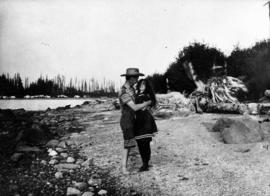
[(225, 89), (218, 95)]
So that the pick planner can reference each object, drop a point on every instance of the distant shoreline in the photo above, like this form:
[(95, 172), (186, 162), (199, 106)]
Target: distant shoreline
[(41, 104), (57, 98)]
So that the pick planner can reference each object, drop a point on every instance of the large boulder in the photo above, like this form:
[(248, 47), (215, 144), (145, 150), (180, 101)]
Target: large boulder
[(239, 131)]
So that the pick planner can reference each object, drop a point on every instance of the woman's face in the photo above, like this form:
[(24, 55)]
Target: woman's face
[(133, 80), (142, 87)]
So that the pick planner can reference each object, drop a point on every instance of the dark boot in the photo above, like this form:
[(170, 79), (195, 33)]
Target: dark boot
[(144, 151), (145, 167)]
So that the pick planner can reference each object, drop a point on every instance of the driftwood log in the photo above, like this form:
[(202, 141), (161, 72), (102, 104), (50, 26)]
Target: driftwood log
[(232, 108)]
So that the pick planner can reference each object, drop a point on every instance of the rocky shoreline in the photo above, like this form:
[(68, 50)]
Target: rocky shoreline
[(41, 152), (77, 151)]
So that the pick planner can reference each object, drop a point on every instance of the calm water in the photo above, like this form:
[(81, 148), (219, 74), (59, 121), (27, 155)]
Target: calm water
[(39, 104)]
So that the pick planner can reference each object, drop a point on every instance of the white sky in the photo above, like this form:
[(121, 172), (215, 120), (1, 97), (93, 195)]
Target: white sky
[(101, 38)]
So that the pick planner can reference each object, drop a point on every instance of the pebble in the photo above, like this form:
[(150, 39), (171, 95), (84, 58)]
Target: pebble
[(80, 185), (53, 162), (102, 192), (73, 191), (73, 146), (70, 160), (94, 182), (61, 166), (91, 182), (70, 142), (52, 143), (52, 152), (88, 193), (62, 144), (79, 161), (71, 171), (59, 149), (58, 175), (63, 154), (48, 183), (74, 134), (182, 177), (16, 156), (87, 162)]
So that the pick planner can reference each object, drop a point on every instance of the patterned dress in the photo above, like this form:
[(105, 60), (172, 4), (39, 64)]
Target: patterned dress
[(127, 121), (145, 126)]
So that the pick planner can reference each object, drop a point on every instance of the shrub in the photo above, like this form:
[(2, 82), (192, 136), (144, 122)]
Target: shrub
[(158, 82), (254, 64), (202, 57)]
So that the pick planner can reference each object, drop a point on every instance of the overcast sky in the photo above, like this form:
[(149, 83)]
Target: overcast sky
[(101, 38)]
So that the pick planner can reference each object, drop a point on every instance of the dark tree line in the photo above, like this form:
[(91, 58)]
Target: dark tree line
[(252, 65), (13, 86)]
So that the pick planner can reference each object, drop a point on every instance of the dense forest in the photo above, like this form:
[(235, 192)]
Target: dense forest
[(251, 65), (56, 87)]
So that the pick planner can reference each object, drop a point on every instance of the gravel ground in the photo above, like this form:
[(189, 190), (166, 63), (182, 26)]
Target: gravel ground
[(187, 158)]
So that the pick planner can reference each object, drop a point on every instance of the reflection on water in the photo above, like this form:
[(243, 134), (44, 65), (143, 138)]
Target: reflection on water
[(39, 104)]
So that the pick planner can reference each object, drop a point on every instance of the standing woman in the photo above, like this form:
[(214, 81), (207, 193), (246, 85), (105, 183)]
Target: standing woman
[(145, 126), (128, 109)]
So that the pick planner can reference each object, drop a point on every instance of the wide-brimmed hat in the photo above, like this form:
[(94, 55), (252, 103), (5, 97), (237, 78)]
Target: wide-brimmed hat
[(132, 72)]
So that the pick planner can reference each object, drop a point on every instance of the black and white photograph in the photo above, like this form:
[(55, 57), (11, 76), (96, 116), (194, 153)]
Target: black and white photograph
[(134, 98)]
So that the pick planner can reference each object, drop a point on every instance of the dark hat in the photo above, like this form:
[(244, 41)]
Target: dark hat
[(132, 72)]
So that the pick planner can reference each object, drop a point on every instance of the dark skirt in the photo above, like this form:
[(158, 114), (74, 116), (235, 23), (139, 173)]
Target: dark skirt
[(145, 125), (127, 123)]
